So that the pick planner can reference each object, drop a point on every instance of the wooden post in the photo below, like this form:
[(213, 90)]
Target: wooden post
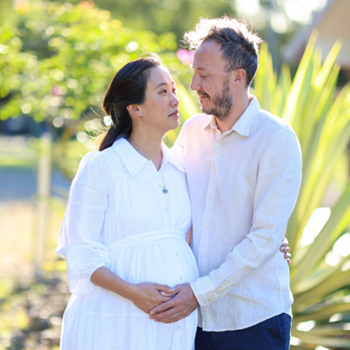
[(43, 195)]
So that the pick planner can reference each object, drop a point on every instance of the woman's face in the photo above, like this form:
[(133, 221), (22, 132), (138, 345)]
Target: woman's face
[(161, 107)]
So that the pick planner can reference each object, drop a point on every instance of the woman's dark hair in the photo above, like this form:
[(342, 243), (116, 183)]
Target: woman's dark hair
[(127, 87)]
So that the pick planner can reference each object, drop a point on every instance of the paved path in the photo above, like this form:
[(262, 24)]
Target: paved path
[(19, 182)]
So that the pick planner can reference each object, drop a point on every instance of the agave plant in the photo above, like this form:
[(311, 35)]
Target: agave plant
[(320, 271), (320, 116)]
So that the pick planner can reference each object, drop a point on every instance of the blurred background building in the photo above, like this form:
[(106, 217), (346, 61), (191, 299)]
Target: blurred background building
[(331, 24)]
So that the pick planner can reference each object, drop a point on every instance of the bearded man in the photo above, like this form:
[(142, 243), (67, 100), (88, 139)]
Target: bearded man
[(244, 172)]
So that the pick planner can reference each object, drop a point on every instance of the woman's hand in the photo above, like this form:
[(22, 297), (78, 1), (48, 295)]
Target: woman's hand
[(146, 296), (285, 249)]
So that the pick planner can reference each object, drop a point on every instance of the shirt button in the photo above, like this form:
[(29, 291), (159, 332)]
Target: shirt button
[(160, 186), (202, 254), (209, 198), (176, 254), (206, 226), (218, 144), (213, 170)]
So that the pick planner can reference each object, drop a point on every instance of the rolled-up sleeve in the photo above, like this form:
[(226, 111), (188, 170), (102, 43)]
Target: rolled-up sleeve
[(79, 238), (276, 192)]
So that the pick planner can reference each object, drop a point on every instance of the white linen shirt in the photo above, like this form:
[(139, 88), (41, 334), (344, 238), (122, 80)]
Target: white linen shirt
[(243, 186), (115, 194)]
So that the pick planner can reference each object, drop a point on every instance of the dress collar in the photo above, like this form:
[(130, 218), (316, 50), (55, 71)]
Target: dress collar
[(243, 124), (134, 161)]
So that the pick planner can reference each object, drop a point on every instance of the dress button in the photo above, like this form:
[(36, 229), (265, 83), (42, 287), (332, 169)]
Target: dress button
[(213, 170)]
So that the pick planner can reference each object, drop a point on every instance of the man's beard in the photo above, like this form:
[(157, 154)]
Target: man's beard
[(222, 103)]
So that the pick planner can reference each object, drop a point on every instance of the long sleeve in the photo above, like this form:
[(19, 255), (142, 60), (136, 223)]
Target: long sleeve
[(277, 188), (79, 237)]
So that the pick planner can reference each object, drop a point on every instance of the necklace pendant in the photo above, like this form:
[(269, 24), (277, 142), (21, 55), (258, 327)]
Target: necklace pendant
[(165, 190)]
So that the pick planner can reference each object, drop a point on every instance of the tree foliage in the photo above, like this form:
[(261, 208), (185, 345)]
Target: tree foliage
[(59, 59), (158, 16)]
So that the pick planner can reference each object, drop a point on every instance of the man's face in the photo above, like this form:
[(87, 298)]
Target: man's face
[(211, 81)]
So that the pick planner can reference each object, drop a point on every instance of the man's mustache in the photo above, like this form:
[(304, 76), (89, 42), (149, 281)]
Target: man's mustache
[(202, 93)]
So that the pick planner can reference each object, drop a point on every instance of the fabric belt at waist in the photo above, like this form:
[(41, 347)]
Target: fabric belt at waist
[(144, 237)]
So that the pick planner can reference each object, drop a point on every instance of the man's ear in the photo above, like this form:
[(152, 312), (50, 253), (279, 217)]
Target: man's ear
[(239, 76), (134, 110)]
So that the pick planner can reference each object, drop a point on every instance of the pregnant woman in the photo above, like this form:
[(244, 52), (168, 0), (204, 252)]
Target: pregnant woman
[(128, 215), (127, 218)]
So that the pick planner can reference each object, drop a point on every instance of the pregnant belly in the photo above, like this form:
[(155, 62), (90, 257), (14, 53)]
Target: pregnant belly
[(165, 260)]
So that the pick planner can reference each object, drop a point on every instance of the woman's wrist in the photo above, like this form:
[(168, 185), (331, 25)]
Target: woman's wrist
[(105, 278), (128, 291)]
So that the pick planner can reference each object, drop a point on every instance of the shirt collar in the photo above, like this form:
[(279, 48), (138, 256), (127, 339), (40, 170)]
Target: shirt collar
[(243, 124), (168, 157), (134, 161)]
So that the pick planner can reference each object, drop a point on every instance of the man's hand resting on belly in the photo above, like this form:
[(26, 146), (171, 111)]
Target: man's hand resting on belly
[(180, 306)]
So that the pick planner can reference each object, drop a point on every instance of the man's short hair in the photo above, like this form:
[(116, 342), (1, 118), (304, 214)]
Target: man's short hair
[(239, 46)]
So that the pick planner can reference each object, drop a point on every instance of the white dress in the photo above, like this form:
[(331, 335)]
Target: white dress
[(118, 216)]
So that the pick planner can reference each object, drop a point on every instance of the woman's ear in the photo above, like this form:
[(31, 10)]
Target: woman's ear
[(134, 110)]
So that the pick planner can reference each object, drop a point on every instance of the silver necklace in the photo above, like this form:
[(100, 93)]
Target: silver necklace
[(165, 190)]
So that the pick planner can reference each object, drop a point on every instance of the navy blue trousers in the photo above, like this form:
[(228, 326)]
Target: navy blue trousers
[(272, 334)]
